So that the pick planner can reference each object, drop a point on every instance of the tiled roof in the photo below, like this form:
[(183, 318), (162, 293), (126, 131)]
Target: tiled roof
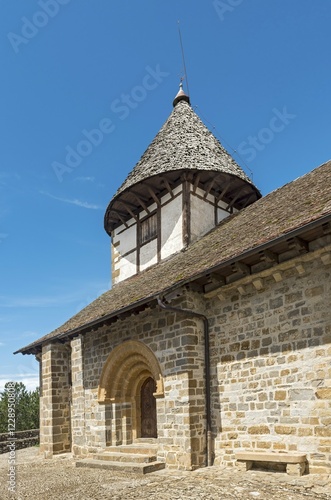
[(291, 207), (184, 146), (183, 142)]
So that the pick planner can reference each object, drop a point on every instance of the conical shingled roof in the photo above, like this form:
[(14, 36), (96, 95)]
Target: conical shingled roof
[(184, 143)]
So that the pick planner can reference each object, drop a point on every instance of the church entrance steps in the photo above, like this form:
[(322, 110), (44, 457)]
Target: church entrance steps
[(139, 457), (125, 457), (141, 447), (127, 467)]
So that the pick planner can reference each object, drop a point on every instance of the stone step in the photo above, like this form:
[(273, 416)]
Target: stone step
[(146, 440), (125, 457), (127, 467), (133, 449)]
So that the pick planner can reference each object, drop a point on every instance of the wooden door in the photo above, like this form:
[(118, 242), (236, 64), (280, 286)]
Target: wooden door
[(148, 409)]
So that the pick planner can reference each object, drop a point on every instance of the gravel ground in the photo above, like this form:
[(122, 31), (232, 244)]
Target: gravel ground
[(58, 478)]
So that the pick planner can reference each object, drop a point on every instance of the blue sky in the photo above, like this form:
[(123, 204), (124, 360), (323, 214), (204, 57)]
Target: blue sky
[(84, 88)]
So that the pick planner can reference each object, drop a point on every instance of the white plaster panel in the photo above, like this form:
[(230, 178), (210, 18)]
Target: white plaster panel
[(151, 208), (127, 266), (171, 227), (122, 227), (148, 254), (202, 193), (127, 239), (221, 214), (202, 217), (168, 196), (222, 204)]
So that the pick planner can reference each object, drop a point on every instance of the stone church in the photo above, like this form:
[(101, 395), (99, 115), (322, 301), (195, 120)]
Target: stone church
[(213, 346)]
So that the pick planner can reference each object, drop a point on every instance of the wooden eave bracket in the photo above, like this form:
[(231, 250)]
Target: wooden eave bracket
[(168, 187), (298, 244), (269, 257), (326, 228), (233, 201), (241, 268), (214, 281), (141, 202)]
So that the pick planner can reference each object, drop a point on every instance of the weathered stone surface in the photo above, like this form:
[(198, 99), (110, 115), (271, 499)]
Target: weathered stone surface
[(324, 393), (61, 480)]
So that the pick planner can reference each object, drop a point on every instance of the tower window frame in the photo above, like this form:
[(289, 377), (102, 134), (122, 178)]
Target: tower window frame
[(148, 228)]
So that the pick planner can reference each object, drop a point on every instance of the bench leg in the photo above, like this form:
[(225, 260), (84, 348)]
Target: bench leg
[(296, 469), (243, 466)]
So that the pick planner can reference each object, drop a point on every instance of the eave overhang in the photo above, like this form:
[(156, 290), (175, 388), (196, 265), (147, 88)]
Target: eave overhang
[(283, 248), (234, 191)]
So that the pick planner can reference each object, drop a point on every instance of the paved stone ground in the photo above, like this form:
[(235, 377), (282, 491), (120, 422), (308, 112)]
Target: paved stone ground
[(59, 479)]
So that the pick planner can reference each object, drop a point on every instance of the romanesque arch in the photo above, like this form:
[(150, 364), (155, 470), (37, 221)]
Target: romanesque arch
[(125, 370)]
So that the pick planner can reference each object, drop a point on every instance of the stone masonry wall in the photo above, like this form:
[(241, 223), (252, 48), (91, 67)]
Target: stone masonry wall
[(177, 343), (23, 439), (271, 366), (55, 400)]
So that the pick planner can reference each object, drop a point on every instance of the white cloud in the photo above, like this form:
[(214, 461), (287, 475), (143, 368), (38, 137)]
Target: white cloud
[(30, 380), (78, 203)]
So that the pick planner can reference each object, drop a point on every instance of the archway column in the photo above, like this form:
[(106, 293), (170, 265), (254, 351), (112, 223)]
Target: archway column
[(127, 367)]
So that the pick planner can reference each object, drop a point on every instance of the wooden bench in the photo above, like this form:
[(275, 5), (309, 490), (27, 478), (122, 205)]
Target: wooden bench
[(295, 462)]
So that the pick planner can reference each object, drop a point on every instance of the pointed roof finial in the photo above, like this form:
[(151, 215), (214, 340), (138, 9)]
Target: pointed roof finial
[(181, 96)]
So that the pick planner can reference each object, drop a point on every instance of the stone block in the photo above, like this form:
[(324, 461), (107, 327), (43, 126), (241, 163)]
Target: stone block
[(244, 466), (259, 429), (280, 395), (301, 394), (323, 431), (285, 429), (324, 393), (296, 469)]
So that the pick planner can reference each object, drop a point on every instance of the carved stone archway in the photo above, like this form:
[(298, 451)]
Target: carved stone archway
[(127, 368)]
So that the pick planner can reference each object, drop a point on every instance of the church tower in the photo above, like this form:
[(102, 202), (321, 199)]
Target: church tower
[(184, 185)]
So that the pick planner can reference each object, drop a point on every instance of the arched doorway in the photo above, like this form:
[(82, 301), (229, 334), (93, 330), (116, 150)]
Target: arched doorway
[(148, 424), (130, 383)]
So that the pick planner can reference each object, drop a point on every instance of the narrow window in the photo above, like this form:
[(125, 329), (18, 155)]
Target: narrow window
[(148, 229)]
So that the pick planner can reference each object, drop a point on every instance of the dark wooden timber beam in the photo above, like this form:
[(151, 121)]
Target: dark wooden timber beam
[(195, 287), (209, 187), (153, 195), (196, 182), (141, 202), (128, 203), (233, 201), (142, 197), (269, 256), (224, 190), (241, 268), (298, 244), (247, 199), (214, 281), (123, 221), (326, 228), (167, 185), (119, 212), (124, 214)]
